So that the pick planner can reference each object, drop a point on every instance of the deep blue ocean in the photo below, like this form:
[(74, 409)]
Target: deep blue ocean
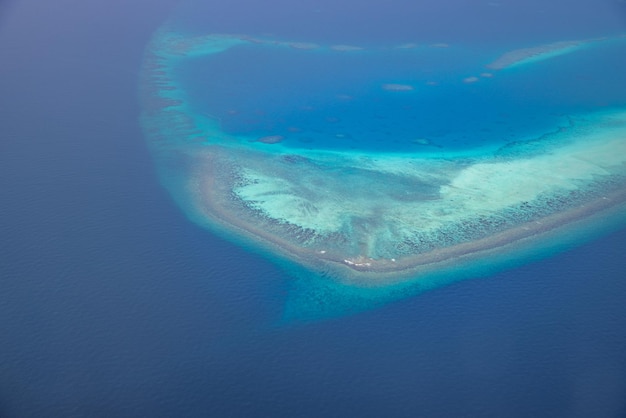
[(113, 304)]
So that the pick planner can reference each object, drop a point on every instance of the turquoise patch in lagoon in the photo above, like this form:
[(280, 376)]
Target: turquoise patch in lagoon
[(377, 225)]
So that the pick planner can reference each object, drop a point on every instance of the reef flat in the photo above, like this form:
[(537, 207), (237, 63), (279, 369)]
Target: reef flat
[(533, 54), (374, 219), (385, 219)]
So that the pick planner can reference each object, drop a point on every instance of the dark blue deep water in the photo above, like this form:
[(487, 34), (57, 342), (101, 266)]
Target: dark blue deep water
[(113, 304)]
